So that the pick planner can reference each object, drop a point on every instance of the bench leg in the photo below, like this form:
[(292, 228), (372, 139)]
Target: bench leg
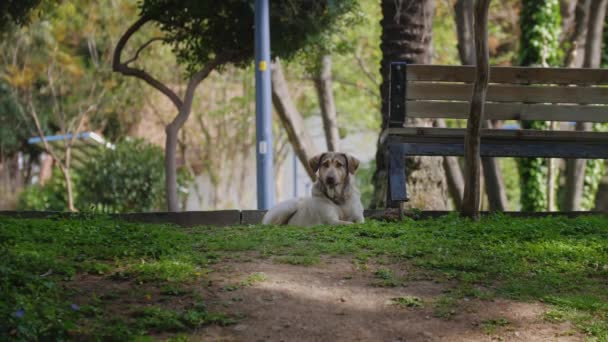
[(396, 192)]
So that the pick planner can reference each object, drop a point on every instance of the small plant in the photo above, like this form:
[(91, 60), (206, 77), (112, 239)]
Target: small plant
[(385, 277), (445, 307), (490, 326), (172, 290), (253, 278), (407, 302), (256, 277), (302, 260)]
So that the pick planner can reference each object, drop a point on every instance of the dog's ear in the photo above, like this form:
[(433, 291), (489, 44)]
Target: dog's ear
[(314, 162), (353, 163)]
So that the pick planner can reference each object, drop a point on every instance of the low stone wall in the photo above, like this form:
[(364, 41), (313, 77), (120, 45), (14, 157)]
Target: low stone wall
[(224, 218)]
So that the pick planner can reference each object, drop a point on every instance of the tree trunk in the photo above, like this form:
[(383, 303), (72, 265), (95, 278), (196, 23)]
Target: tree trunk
[(601, 198), (183, 107), (170, 167), (463, 10), (575, 168), (68, 186), (495, 189), (568, 13), (576, 54), (471, 201), (595, 26), (46, 168), (453, 175), (325, 93), (292, 119), (406, 36), (575, 177)]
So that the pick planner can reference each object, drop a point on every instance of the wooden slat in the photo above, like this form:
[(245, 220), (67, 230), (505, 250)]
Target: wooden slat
[(508, 93), (519, 149), (515, 75), (501, 134), (509, 111)]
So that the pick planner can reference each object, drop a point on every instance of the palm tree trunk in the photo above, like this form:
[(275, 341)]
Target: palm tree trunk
[(407, 31)]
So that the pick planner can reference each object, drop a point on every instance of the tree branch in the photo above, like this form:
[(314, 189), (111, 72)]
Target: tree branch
[(141, 48), (367, 73), (45, 143), (124, 69), (195, 80)]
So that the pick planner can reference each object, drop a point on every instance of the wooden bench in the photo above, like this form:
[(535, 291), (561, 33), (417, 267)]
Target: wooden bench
[(514, 93)]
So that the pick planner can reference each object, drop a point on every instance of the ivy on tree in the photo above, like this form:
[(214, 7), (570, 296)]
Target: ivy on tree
[(540, 23)]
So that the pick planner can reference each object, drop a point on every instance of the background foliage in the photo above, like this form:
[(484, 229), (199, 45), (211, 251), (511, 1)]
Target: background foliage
[(125, 179)]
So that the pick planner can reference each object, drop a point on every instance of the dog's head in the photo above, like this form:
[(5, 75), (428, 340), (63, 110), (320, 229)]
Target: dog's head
[(333, 167)]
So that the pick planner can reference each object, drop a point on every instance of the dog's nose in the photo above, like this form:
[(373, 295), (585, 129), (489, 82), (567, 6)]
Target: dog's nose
[(330, 180)]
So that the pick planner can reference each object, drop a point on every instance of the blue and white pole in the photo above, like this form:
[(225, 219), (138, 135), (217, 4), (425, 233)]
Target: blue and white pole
[(263, 107)]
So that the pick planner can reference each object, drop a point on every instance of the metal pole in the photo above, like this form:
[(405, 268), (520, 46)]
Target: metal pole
[(295, 174), (263, 121)]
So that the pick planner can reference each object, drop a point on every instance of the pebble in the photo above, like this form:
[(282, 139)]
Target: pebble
[(240, 327)]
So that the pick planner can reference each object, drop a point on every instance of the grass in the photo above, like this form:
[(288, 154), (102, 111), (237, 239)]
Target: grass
[(562, 262), (490, 326), (385, 278), (407, 302)]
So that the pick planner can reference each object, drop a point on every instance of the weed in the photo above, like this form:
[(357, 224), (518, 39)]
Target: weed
[(407, 302), (445, 307), (490, 326), (305, 260), (256, 277), (385, 277), (172, 290)]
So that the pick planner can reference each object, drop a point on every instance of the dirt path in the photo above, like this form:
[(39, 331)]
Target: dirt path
[(335, 301)]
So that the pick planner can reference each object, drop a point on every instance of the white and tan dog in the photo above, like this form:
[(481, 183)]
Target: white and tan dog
[(335, 198)]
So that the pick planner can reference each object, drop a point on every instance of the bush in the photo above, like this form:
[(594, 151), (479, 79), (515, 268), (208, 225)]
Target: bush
[(52, 196), (130, 177)]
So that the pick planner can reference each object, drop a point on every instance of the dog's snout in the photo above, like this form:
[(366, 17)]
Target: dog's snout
[(330, 180)]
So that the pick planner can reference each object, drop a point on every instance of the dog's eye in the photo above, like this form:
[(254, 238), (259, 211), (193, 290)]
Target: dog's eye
[(326, 164), (339, 164)]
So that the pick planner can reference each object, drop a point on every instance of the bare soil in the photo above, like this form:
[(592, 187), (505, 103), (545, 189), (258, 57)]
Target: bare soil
[(338, 301)]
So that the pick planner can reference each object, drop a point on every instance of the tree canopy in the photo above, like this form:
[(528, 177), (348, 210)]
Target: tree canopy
[(200, 30)]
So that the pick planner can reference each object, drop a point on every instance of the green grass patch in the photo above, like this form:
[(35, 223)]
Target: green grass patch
[(445, 307), (165, 270), (385, 278), (407, 302), (302, 260), (253, 278), (563, 262), (490, 326)]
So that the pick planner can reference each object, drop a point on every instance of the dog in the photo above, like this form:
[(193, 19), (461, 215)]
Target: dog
[(335, 199)]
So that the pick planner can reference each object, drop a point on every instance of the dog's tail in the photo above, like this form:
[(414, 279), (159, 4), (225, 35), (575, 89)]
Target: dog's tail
[(282, 212)]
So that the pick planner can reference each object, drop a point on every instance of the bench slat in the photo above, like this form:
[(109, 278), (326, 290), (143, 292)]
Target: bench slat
[(508, 93), (508, 111), (518, 149), (514, 75), (425, 133)]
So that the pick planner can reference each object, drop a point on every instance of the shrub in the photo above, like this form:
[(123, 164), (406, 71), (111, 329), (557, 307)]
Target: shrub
[(127, 178), (51, 196)]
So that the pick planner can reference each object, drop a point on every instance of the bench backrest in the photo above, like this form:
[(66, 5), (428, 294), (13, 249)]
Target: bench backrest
[(514, 93)]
